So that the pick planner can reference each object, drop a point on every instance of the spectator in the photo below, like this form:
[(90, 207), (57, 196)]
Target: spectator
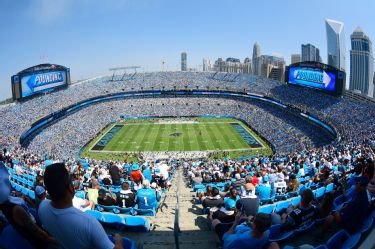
[(147, 198), (126, 198), (302, 214), (104, 199), (40, 195), (115, 174), (65, 222), (80, 203), (249, 202), (214, 200), (18, 215), (253, 236), (352, 215)]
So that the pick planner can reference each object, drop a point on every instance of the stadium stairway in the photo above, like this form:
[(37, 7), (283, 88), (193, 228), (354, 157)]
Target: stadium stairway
[(193, 230)]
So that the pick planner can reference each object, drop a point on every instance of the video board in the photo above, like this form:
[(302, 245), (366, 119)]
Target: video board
[(317, 76), (40, 82)]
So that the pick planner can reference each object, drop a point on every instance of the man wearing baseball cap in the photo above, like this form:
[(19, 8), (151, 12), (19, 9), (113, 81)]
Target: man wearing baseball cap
[(352, 215)]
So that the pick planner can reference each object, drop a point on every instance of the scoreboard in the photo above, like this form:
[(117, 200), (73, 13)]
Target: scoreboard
[(318, 76), (39, 79)]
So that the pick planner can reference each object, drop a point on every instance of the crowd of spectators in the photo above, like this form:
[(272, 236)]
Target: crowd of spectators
[(233, 191)]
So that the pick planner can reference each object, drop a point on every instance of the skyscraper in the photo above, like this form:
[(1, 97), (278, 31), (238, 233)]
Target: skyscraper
[(361, 63), (309, 52), (336, 50), (256, 55), (206, 65), (183, 61), (295, 58)]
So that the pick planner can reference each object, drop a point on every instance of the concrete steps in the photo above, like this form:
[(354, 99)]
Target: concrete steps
[(194, 231)]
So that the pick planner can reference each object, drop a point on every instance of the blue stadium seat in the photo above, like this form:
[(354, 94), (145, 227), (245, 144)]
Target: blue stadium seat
[(296, 200), (121, 210), (80, 194), (11, 239), (330, 187), (24, 191), (318, 193), (96, 214), (114, 221), (338, 202), (342, 239), (144, 212), (31, 194), (282, 205), (367, 224), (102, 208), (304, 228), (268, 209), (276, 235), (126, 243), (137, 224), (198, 186)]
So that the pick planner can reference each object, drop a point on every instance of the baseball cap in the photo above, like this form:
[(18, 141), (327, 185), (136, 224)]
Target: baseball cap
[(363, 180), (157, 170), (39, 190), (230, 204), (135, 167), (265, 179)]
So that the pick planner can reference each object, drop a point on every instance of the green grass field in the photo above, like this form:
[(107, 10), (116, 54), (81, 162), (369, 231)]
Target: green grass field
[(157, 135)]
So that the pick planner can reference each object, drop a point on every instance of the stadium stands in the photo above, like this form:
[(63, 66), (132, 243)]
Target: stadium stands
[(302, 150)]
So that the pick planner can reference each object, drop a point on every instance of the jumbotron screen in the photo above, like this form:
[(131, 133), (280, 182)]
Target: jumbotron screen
[(39, 79), (316, 75), (39, 82), (314, 78)]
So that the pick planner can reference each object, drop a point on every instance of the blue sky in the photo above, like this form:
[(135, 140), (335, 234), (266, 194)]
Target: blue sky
[(90, 36)]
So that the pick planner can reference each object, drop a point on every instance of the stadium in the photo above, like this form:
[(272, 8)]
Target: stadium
[(189, 124)]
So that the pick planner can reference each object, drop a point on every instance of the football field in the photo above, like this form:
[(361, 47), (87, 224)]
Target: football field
[(173, 135)]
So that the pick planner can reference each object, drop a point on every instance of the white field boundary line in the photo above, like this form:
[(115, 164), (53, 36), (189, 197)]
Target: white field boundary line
[(225, 122), (169, 151)]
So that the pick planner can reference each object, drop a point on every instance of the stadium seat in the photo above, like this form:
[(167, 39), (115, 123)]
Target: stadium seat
[(296, 200), (121, 210), (367, 224), (11, 239), (304, 228), (338, 202), (96, 214), (291, 194), (31, 194), (80, 194), (24, 191), (268, 209), (342, 239), (126, 243), (282, 205), (276, 235), (144, 212), (114, 221), (198, 186), (318, 193), (102, 208), (137, 224), (330, 187)]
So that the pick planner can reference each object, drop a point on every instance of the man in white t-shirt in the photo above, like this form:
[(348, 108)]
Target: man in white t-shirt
[(71, 227)]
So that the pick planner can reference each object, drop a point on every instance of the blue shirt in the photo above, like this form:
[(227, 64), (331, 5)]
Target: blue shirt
[(264, 191), (243, 239), (147, 174), (73, 228), (146, 198)]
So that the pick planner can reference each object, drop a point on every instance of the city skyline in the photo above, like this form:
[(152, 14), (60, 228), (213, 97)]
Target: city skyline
[(86, 36)]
